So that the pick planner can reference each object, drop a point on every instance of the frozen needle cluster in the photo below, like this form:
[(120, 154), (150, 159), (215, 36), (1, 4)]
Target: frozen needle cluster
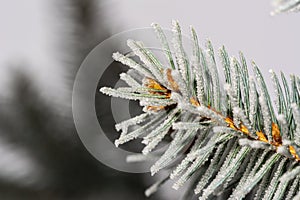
[(222, 138)]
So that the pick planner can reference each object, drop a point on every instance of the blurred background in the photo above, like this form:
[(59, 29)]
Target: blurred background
[(42, 44)]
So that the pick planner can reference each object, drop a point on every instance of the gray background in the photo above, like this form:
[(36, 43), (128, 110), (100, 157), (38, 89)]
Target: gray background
[(240, 25)]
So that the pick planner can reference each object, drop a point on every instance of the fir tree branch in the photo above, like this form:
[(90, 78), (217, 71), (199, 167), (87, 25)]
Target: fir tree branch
[(234, 135)]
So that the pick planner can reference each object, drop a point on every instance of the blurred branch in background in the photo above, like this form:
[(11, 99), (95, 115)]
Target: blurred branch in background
[(83, 29), (41, 154)]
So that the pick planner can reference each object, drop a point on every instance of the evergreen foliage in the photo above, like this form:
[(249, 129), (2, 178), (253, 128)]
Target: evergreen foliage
[(229, 140)]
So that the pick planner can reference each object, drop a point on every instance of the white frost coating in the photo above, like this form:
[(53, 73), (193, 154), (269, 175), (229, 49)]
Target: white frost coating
[(197, 68), (200, 140), (226, 130), (163, 40), (227, 86), (245, 174), (280, 193), (221, 129), (199, 86), (233, 101), (267, 121), (258, 163), (290, 174), (187, 107), (171, 117), (187, 125), (140, 131), (253, 143), (286, 6), (252, 100), (297, 196), (284, 150), (133, 121), (176, 96), (284, 130), (180, 54), (274, 182), (177, 145), (234, 74), (261, 187), (115, 93), (132, 90), (210, 170), (252, 181), (181, 84), (129, 80), (240, 114), (156, 102), (146, 57), (265, 104), (287, 142), (296, 115), (253, 171), (225, 172), (298, 83), (297, 8), (199, 152), (159, 133), (153, 142), (229, 157), (180, 168), (130, 93), (196, 152), (190, 157), (214, 76), (198, 162), (292, 188), (234, 88), (276, 91), (132, 64), (204, 111)]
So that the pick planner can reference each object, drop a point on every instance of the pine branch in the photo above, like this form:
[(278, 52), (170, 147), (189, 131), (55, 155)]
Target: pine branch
[(234, 135)]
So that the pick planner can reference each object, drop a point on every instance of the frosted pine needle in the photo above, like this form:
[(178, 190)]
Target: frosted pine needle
[(286, 6), (225, 138), (129, 80)]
